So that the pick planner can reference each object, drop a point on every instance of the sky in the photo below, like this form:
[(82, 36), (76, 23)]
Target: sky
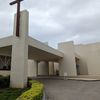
[(56, 21)]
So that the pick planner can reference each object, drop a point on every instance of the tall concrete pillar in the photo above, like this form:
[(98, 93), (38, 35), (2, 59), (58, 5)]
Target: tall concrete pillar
[(19, 62), (36, 65), (51, 68), (67, 65), (32, 68), (43, 68)]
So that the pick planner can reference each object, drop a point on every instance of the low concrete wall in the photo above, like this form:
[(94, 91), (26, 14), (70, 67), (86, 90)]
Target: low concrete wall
[(4, 73)]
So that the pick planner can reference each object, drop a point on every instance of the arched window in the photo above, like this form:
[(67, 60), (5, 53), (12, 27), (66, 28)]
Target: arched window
[(5, 62)]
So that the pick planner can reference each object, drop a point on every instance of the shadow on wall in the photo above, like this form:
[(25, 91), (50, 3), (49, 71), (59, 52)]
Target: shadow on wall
[(81, 66)]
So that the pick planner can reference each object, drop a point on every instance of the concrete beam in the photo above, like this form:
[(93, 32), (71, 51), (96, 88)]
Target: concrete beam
[(6, 41), (43, 47)]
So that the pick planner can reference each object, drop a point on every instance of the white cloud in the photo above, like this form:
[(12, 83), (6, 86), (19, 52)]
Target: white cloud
[(56, 20)]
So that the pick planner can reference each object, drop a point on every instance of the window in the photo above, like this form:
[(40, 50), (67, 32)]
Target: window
[(5, 62)]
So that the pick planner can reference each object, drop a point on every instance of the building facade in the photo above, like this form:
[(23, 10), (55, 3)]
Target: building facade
[(23, 57)]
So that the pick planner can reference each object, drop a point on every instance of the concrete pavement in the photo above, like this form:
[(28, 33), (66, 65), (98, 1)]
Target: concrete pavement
[(71, 90)]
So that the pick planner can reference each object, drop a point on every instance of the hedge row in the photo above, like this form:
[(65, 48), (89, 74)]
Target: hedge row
[(4, 81), (34, 93)]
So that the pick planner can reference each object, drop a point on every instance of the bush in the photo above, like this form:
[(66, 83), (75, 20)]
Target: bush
[(34, 93), (0, 75), (4, 81)]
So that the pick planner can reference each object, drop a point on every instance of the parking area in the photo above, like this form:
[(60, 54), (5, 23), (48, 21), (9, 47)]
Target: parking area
[(71, 90)]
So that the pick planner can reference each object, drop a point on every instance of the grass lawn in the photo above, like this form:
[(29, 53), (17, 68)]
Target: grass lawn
[(10, 94)]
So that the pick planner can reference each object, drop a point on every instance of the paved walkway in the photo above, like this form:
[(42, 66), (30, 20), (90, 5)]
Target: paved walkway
[(71, 90)]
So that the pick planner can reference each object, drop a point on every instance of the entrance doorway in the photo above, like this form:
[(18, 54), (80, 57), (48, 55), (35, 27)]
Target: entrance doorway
[(77, 66)]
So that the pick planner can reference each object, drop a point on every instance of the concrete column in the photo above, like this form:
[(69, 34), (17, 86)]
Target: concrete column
[(19, 62), (67, 65), (32, 68), (43, 68), (51, 68), (56, 68), (36, 64)]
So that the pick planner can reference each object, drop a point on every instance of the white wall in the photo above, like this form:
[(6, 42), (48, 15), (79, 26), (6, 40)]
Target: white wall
[(93, 59), (89, 58)]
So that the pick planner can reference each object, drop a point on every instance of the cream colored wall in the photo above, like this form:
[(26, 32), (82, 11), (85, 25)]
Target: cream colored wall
[(81, 50), (67, 64), (90, 56), (4, 73), (93, 59)]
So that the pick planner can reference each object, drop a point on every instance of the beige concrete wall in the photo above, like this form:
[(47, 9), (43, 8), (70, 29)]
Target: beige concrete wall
[(4, 73), (67, 64), (90, 56), (81, 50), (93, 59)]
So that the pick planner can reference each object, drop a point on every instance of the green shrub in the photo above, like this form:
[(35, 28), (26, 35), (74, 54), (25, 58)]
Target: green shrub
[(34, 93), (4, 81), (0, 75)]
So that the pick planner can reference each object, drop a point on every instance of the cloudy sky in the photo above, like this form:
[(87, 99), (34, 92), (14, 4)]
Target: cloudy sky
[(56, 20)]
